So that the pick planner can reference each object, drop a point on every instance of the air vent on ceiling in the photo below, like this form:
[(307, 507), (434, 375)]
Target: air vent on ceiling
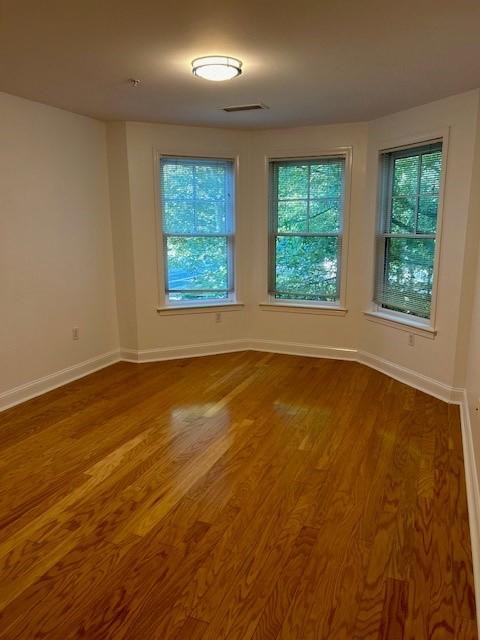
[(244, 107)]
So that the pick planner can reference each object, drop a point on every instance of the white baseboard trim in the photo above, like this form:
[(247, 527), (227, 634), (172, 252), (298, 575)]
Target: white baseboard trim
[(303, 349), (407, 376), (402, 374), (473, 496), (37, 387), (412, 378), (188, 351)]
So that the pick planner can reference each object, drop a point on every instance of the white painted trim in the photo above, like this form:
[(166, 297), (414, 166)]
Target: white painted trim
[(303, 349), (407, 376), (291, 307), (473, 496), (396, 143), (412, 378), (196, 153), (230, 346), (188, 309), (188, 351), (402, 374), (410, 326), (313, 153), (25, 392)]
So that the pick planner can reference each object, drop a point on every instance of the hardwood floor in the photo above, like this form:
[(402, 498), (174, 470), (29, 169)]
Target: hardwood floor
[(240, 496)]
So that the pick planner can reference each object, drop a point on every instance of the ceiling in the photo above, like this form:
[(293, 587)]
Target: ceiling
[(310, 61)]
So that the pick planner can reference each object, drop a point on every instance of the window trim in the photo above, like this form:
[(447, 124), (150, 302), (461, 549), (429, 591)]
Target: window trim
[(284, 304), (164, 304), (375, 312)]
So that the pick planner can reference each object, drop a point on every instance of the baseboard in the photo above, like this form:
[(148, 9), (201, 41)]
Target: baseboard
[(412, 378), (188, 351), (41, 385), (402, 374), (473, 496), (303, 349)]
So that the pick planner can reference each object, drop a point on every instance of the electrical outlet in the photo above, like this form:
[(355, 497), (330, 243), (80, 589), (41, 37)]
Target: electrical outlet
[(411, 340), (218, 317), (75, 333)]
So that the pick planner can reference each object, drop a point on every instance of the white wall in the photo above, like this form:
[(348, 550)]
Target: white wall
[(472, 351), (304, 327), (55, 242), (57, 263), (124, 261), (158, 331), (436, 358), (433, 358)]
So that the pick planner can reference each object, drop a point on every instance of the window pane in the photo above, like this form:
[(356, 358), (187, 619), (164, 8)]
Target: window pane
[(326, 179), (210, 217), (403, 215), (210, 182), (293, 181), (306, 268), (325, 215), (197, 263), (427, 214), (408, 275), (405, 176), (431, 170), (409, 207), (178, 296), (177, 180), (292, 215), (310, 196), (178, 216), (196, 196)]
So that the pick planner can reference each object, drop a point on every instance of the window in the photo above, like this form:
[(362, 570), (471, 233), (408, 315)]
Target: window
[(306, 224), (409, 197), (196, 197)]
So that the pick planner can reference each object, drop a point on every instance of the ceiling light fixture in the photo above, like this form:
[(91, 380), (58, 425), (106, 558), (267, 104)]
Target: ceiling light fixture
[(216, 68)]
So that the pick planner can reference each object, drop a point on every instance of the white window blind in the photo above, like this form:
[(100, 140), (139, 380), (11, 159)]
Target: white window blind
[(410, 189), (197, 222), (306, 226)]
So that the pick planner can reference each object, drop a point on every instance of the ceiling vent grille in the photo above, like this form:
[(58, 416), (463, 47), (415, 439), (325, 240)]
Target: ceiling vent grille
[(244, 107)]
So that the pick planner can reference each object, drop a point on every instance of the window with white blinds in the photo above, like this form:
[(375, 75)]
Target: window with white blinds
[(306, 227), (197, 197), (409, 199)]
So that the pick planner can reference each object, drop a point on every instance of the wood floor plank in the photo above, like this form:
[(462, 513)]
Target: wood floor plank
[(193, 629), (395, 610), (283, 591), (234, 497)]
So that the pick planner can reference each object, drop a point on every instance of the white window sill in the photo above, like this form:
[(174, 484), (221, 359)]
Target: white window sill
[(183, 309), (303, 308), (411, 326)]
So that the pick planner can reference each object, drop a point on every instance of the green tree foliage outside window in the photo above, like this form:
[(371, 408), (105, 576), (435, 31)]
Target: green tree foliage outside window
[(197, 214), (306, 218), (409, 206)]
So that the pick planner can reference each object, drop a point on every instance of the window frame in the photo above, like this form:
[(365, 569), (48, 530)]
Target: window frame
[(165, 303), (422, 326), (337, 307)]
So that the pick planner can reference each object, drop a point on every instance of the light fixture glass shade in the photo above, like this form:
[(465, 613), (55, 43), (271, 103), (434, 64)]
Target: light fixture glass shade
[(217, 68)]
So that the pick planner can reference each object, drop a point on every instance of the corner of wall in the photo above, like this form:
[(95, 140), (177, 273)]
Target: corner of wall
[(120, 212), (470, 261)]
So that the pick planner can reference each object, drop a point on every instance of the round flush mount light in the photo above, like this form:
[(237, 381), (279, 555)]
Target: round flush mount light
[(217, 68)]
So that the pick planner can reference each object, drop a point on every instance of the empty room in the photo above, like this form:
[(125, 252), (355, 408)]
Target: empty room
[(240, 320)]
